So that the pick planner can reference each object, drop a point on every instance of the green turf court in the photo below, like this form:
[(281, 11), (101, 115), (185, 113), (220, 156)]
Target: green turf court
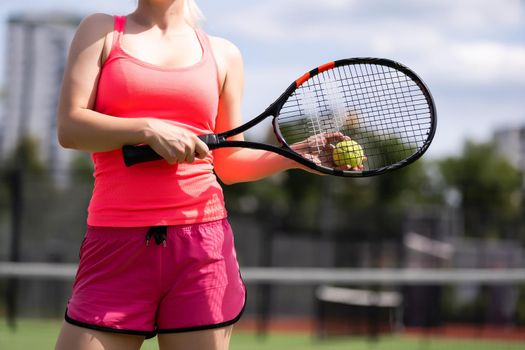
[(41, 334)]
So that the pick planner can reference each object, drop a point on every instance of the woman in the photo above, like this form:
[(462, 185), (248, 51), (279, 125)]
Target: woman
[(158, 256)]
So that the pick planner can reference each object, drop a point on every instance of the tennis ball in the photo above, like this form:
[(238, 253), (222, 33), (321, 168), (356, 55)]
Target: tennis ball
[(348, 153)]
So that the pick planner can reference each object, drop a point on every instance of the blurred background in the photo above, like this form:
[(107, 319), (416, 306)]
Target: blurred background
[(460, 208)]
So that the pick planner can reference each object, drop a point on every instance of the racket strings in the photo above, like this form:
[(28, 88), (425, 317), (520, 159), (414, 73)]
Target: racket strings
[(379, 107), (313, 122)]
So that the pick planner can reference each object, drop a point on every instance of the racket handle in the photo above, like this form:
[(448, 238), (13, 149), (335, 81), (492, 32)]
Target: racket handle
[(139, 154), (144, 153)]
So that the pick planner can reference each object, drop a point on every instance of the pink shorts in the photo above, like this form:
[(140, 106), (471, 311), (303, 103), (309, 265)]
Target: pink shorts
[(146, 281)]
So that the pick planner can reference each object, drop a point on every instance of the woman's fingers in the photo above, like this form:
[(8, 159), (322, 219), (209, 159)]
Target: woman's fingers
[(176, 144), (201, 149)]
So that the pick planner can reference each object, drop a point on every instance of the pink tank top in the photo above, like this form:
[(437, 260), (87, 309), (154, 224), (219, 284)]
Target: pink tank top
[(156, 193)]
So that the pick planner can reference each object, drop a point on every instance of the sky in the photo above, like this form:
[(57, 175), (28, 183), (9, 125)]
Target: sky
[(470, 53)]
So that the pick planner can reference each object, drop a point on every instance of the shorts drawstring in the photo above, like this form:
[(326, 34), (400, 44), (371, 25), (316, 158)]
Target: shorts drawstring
[(159, 233)]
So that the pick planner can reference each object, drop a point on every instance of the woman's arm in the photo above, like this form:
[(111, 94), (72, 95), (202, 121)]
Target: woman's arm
[(80, 127), (234, 165)]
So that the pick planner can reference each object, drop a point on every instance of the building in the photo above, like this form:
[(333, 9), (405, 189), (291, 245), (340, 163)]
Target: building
[(36, 50)]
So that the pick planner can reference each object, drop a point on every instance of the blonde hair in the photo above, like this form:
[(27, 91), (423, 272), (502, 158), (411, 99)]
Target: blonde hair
[(192, 13)]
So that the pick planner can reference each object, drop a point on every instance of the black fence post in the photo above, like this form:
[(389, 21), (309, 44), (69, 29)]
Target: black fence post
[(15, 181)]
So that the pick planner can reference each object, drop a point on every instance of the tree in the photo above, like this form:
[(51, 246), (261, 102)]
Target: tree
[(81, 169), (25, 157), (489, 187)]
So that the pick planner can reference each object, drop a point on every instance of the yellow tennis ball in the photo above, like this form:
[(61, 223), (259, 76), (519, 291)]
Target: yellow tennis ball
[(348, 153)]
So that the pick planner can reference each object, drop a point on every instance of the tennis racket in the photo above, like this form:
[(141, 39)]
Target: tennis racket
[(381, 105)]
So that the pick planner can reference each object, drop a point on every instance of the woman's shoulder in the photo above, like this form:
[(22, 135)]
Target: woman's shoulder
[(95, 31), (97, 23), (224, 49)]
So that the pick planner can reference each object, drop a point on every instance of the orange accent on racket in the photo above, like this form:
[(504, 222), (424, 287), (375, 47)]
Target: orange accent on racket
[(302, 79), (326, 66)]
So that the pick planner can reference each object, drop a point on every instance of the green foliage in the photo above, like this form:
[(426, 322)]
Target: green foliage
[(484, 178), (489, 187), (25, 157), (404, 186), (292, 196), (81, 168), (305, 201)]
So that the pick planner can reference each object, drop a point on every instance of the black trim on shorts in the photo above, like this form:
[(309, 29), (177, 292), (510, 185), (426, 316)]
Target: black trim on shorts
[(210, 326), (146, 334), (152, 334)]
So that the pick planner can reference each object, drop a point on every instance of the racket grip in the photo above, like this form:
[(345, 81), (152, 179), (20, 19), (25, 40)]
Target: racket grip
[(139, 154), (144, 153)]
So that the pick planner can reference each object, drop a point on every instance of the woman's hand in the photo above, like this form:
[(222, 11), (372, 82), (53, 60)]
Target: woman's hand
[(319, 149), (173, 143)]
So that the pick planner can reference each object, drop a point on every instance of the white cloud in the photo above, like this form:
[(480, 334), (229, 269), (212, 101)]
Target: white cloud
[(476, 15), (467, 63), (292, 19), (446, 39), (488, 62), (114, 6)]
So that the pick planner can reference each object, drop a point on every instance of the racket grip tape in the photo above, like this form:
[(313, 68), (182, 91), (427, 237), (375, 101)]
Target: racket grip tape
[(139, 154), (144, 153)]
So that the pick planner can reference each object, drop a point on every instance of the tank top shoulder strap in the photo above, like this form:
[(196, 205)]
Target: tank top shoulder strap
[(204, 40), (208, 54), (118, 31)]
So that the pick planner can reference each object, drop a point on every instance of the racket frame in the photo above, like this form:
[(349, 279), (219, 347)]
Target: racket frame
[(134, 155)]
